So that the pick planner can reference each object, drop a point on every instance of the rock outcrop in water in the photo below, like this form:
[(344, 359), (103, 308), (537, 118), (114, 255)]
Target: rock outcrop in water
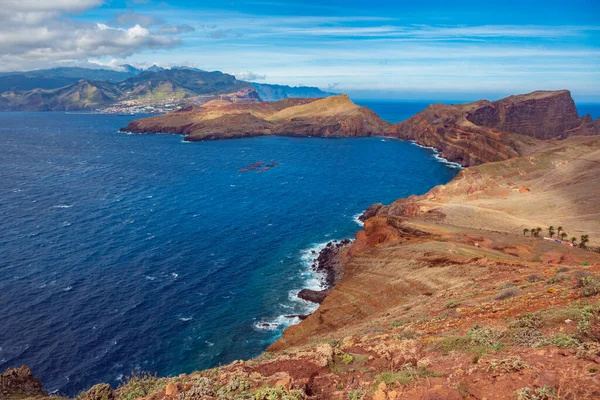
[(335, 116), (484, 131), (329, 263)]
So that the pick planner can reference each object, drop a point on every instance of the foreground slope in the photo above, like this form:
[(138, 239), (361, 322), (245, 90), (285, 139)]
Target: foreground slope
[(334, 116)]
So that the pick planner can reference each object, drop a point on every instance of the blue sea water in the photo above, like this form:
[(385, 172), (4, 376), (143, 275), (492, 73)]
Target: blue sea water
[(143, 252)]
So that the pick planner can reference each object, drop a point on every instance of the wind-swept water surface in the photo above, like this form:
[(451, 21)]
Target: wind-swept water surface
[(142, 252)]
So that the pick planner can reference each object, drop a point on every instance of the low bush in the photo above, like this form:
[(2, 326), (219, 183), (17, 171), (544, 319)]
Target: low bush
[(507, 294), (590, 286), (510, 364), (561, 340), (542, 393), (140, 384)]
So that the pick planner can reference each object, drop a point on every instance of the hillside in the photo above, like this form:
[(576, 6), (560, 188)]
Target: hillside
[(132, 90), (484, 131), (330, 117)]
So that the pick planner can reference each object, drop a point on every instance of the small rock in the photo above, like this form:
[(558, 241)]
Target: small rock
[(171, 390)]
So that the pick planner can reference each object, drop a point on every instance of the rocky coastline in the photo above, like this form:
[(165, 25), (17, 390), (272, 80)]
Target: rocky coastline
[(327, 262)]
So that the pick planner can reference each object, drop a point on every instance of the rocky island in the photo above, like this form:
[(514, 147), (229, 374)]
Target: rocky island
[(455, 294)]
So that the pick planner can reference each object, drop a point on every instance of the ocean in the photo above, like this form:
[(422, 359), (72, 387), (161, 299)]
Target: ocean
[(126, 253)]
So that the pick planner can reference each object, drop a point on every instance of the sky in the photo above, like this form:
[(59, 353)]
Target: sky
[(370, 49)]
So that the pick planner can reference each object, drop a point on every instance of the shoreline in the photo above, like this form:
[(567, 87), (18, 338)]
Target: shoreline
[(329, 265)]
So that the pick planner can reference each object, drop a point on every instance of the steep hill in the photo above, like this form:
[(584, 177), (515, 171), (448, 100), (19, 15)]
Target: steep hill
[(330, 117), (82, 95), (484, 131), (145, 88)]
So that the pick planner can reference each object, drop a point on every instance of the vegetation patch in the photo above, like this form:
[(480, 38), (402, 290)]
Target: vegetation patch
[(590, 286), (510, 364), (406, 376), (542, 393), (561, 340), (507, 294), (140, 384), (277, 394)]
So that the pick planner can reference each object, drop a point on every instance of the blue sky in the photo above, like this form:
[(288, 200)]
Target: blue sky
[(420, 49)]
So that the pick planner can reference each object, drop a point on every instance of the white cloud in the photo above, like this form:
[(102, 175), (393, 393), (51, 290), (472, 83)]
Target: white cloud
[(37, 34), (249, 76)]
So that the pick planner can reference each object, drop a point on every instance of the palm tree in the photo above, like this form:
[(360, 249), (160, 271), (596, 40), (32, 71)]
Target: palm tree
[(563, 235), (573, 239), (558, 230), (551, 231), (525, 231), (584, 240), (538, 230)]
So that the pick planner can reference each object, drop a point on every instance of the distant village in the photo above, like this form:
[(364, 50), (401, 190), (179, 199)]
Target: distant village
[(131, 107)]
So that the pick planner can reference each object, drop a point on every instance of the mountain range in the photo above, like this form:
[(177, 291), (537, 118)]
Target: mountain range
[(75, 89)]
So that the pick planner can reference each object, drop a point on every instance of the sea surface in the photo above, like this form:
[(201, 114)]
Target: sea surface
[(143, 252)]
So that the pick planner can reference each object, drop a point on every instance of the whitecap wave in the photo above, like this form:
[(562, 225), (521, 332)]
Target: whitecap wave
[(63, 206), (186, 319), (356, 218), (436, 155), (68, 288), (275, 324)]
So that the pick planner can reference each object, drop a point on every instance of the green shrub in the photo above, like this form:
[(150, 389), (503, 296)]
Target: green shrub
[(543, 393), (277, 394), (452, 304), (510, 364), (590, 286), (485, 336), (557, 278), (140, 384), (355, 395), (507, 294), (561, 340), (534, 278)]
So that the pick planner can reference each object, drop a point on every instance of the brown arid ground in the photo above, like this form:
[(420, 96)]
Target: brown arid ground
[(442, 297)]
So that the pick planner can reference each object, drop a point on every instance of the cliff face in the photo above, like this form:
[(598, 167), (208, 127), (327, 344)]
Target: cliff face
[(483, 131), (334, 116)]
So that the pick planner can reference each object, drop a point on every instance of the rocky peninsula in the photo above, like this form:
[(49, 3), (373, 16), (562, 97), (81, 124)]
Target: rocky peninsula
[(448, 295), (334, 116)]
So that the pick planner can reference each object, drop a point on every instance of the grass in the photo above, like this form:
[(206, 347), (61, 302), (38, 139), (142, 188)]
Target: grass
[(452, 304), (406, 376)]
